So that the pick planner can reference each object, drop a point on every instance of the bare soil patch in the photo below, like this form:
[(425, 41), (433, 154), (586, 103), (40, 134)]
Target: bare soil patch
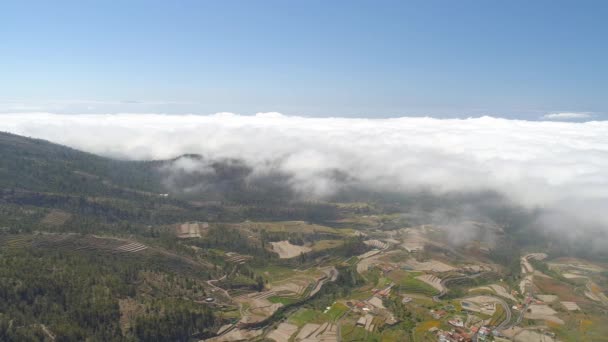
[(543, 312), (286, 250), (431, 265), (283, 332), (191, 229), (56, 218), (558, 288)]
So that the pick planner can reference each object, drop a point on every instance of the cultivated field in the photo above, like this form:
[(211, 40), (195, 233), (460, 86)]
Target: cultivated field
[(191, 229), (283, 332), (56, 218), (542, 312), (430, 265)]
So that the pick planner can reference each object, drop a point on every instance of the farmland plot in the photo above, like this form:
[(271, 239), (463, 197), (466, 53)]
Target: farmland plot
[(56, 218)]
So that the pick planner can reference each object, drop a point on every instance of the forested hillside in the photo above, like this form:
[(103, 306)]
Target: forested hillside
[(39, 165)]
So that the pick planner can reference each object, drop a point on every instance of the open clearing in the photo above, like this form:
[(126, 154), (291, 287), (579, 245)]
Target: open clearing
[(547, 298), (573, 263), (56, 218), (414, 240), (500, 291), (431, 280), (291, 226), (367, 260), (532, 336), (237, 335), (286, 250), (431, 265), (555, 287), (326, 332), (257, 306), (191, 229), (571, 306), (482, 304), (283, 332), (542, 312), (573, 276)]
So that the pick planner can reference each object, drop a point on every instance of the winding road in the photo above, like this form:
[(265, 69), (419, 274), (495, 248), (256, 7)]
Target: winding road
[(437, 298), (503, 325)]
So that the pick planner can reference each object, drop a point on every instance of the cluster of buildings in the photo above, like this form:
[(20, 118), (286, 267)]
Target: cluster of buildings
[(383, 293), (373, 307), (461, 334), (454, 335), (458, 329)]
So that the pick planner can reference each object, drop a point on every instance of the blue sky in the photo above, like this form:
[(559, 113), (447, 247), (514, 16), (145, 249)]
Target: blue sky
[(515, 59)]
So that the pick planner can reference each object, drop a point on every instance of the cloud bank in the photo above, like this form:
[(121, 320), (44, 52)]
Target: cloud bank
[(562, 165)]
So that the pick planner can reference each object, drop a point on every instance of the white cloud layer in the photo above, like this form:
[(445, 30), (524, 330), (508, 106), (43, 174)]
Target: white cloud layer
[(549, 164), (566, 116)]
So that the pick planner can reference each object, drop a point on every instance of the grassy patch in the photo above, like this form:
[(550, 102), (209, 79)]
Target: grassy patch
[(326, 244), (336, 311), (291, 226), (421, 332), (361, 293), (499, 316), (282, 300), (407, 282), (394, 335), (581, 327), (275, 273), (241, 280), (355, 333), (303, 316), (482, 291), (382, 282)]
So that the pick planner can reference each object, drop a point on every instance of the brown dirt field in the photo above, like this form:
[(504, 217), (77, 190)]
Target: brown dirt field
[(56, 218), (532, 336), (307, 330), (562, 290), (237, 335), (430, 265), (543, 312), (283, 332)]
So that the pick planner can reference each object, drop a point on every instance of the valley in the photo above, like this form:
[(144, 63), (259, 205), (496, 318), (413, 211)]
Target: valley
[(88, 256)]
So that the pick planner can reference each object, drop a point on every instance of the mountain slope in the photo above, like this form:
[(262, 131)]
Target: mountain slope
[(39, 165)]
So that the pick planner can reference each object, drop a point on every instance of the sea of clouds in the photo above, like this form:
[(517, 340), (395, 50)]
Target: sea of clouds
[(558, 165)]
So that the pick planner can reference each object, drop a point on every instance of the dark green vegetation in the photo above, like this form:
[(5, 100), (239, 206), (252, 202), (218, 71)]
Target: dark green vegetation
[(77, 295)]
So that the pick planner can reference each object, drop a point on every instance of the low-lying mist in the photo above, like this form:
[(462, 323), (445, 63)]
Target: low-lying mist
[(555, 169)]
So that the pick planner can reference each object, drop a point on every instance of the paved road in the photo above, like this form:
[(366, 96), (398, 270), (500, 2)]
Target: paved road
[(528, 270), (503, 325), (210, 283), (437, 298)]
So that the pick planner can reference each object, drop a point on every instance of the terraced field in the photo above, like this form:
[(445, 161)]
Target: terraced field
[(408, 282)]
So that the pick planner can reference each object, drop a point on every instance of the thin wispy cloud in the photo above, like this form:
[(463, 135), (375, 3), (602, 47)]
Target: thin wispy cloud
[(567, 116), (74, 105)]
